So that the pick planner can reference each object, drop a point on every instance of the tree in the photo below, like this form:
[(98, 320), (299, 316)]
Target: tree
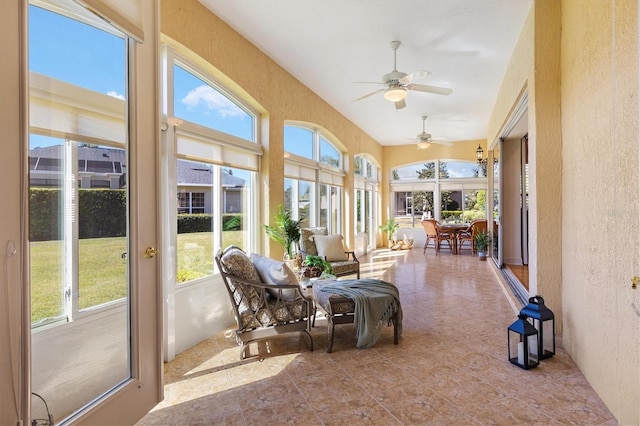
[(429, 171)]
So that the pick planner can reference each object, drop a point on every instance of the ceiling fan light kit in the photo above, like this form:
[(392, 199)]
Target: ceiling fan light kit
[(395, 94), (424, 139)]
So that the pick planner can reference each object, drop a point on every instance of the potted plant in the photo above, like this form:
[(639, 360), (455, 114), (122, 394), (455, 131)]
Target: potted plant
[(314, 266), (389, 228), (286, 231), (481, 240)]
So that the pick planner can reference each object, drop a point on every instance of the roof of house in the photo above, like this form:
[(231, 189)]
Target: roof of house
[(188, 172)]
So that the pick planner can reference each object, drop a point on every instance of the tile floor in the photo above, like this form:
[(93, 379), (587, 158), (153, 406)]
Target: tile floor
[(450, 367)]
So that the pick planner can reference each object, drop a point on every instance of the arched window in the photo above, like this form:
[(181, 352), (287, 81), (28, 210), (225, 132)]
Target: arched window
[(197, 101), (447, 190), (314, 177), (215, 166)]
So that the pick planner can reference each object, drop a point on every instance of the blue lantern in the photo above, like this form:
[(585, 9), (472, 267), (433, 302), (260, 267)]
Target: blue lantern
[(543, 320), (522, 340)]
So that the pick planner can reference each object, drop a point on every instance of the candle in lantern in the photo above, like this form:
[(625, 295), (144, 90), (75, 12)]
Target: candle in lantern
[(521, 353)]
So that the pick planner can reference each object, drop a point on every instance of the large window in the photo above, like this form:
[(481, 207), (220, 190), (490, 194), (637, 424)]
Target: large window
[(314, 178), (459, 192), (216, 165), (199, 230), (366, 193)]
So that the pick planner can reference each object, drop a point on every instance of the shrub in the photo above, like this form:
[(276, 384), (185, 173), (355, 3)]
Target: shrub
[(189, 223)]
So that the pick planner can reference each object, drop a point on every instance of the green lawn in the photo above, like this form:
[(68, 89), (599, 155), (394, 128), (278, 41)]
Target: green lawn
[(103, 270)]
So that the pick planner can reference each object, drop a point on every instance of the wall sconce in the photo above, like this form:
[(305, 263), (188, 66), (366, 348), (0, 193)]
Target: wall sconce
[(479, 154)]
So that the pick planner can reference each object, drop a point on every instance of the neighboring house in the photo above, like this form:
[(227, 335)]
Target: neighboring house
[(97, 167), (195, 182), (106, 168)]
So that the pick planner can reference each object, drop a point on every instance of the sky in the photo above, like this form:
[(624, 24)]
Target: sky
[(74, 52)]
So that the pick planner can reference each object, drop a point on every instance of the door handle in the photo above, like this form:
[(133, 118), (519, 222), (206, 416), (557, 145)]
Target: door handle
[(151, 252)]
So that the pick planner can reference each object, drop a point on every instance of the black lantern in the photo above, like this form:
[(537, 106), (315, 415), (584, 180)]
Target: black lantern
[(544, 321), (479, 154), (522, 340)]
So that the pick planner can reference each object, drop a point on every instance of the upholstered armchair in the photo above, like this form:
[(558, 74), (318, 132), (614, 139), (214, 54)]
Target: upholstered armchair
[(316, 242), (265, 297)]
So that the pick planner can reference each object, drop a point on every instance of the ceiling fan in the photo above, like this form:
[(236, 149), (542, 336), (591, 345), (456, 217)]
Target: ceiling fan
[(425, 140), (398, 83)]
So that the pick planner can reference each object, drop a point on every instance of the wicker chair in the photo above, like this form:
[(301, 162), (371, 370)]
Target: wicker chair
[(344, 263), (262, 309), (468, 235), (433, 231)]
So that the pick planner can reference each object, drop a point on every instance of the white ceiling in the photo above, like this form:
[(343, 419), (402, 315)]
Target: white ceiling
[(330, 44)]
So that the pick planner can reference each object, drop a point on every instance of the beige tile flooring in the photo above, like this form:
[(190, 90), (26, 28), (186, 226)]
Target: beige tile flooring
[(450, 367)]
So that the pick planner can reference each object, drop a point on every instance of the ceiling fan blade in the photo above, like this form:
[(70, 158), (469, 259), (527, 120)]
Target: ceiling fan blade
[(369, 82), (370, 94), (407, 79), (400, 104), (430, 89), (440, 142)]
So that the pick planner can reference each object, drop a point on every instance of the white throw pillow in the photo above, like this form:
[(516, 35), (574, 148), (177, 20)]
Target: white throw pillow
[(330, 246), (276, 272)]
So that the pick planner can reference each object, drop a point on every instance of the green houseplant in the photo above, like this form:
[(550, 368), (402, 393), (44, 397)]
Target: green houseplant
[(389, 228), (314, 266), (285, 231), (481, 239)]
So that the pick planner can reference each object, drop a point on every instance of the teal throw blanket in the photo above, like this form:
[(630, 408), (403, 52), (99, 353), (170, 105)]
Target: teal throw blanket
[(375, 303)]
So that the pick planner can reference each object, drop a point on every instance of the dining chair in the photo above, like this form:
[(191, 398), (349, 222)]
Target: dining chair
[(433, 231), (468, 235)]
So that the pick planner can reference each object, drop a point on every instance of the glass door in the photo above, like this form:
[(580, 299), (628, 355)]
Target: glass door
[(495, 230), (80, 199)]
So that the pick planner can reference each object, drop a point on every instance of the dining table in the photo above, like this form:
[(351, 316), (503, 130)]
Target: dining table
[(454, 229)]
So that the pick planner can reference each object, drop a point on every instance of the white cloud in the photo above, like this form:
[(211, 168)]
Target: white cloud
[(213, 101), (115, 94)]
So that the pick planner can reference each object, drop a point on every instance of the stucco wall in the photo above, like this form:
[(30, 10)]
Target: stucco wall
[(577, 60), (534, 68), (600, 201), (255, 78)]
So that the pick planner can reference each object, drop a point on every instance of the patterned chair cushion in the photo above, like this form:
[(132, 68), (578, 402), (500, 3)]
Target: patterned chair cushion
[(338, 305), (236, 262), (307, 245), (276, 272), (274, 312)]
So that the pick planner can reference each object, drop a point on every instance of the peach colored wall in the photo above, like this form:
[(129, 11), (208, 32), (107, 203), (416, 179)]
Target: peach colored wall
[(578, 61), (257, 79), (600, 202), (534, 68)]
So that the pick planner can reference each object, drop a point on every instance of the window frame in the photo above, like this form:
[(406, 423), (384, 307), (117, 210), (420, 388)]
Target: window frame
[(304, 169), (212, 147)]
